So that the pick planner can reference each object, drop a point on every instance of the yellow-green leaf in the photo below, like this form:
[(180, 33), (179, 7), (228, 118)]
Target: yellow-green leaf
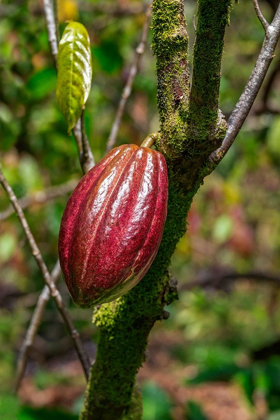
[(74, 72)]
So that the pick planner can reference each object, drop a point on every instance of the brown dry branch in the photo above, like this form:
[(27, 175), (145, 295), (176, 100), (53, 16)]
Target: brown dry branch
[(33, 327), (41, 197), (47, 277), (84, 150), (247, 98), (132, 73), (87, 162)]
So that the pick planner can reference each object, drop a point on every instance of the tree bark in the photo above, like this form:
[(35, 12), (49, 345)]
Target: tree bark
[(125, 324)]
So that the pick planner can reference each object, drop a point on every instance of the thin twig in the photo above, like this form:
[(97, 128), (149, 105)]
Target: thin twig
[(132, 73), (51, 28), (47, 277), (55, 11), (251, 90), (40, 197), (261, 17), (87, 161), (85, 154), (33, 327), (84, 150)]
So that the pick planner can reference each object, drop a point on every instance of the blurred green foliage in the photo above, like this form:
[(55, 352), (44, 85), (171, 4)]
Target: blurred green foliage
[(234, 223), (156, 404)]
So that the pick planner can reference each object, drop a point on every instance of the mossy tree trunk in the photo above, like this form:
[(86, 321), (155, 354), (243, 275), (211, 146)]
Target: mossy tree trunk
[(191, 128)]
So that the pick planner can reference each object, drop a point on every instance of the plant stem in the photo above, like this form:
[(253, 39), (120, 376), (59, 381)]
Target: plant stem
[(47, 277)]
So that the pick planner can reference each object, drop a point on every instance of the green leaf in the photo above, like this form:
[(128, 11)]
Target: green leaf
[(156, 404), (194, 411), (29, 413), (9, 407), (74, 72), (41, 83), (108, 56), (221, 373)]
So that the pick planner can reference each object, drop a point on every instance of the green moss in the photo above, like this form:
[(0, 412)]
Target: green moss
[(170, 45), (186, 137), (125, 324), (169, 34), (212, 18)]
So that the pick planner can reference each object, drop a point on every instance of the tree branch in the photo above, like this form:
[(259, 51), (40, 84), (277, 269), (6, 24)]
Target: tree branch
[(126, 323), (132, 73), (212, 19), (87, 162), (250, 92), (33, 327), (261, 17), (46, 275), (84, 150), (41, 197), (170, 46), (85, 154), (51, 28)]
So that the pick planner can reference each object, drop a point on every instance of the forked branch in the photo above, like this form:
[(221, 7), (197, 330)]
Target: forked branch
[(261, 17), (244, 105)]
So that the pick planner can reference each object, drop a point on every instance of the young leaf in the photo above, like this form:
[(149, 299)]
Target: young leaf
[(74, 72)]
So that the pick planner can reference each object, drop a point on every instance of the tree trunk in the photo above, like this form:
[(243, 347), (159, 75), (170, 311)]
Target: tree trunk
[(187, 137)]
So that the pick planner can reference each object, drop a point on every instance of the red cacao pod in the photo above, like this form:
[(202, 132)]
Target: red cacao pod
[(113, 223)]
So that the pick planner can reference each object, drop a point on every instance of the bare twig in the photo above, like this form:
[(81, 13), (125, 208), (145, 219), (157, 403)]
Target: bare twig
[(33, 327), (132, 73), (51, 27), (87, 162), (85, 154), (84, 150), (251, 90), (47, 277), (261, 17), (41, 197)]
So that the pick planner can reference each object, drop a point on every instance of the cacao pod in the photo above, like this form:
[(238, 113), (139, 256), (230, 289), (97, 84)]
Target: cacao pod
[(113, 223)]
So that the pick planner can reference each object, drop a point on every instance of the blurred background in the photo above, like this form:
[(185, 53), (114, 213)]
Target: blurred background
[(217, 357)]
